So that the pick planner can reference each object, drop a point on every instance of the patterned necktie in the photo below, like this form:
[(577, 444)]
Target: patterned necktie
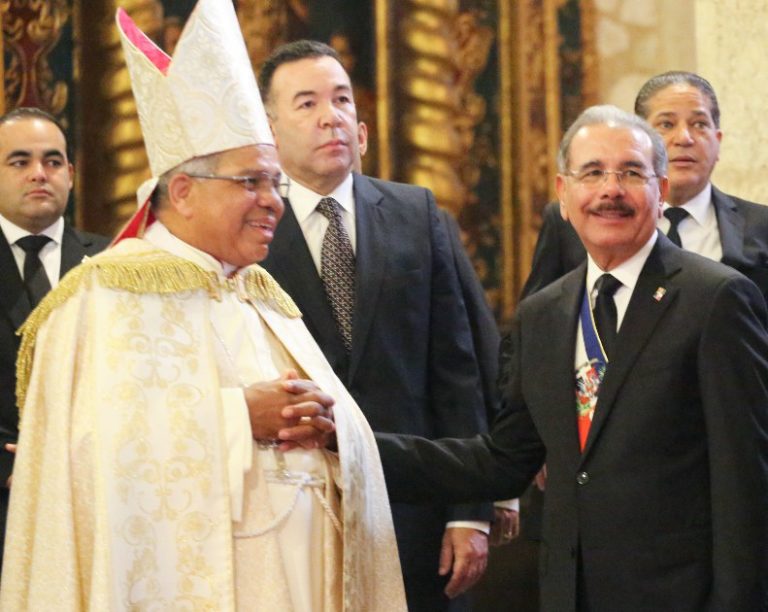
[(675, 216), (605, 311), (35, 279), (337, 269)]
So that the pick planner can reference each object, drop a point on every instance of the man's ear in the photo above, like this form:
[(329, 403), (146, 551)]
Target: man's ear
[(560, 190), (362, 138), (180, 187), (663, 193)]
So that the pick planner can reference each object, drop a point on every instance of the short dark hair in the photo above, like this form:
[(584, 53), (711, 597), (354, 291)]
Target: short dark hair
[(612, 116), (676, 77), (32, 112), (291, 52)]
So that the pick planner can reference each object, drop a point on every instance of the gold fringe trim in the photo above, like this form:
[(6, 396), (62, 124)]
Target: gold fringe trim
[(147, 272)]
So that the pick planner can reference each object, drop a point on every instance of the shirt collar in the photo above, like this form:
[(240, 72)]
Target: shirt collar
[(304, 200), (160, 236), (699, 206), (627, 272), (13, 232)]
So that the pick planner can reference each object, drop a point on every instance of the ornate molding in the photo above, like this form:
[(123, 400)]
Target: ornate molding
[(114, 161), (31, 29), (264, 24), (442, 51)]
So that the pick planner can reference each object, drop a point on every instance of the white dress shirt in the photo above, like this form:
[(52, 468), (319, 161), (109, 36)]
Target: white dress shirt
[(699, 232), (50, 254), (627, 272), (313, 224)]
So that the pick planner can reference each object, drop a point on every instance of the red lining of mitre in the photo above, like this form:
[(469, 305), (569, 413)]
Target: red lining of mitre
[(142, 42), (137, 224)]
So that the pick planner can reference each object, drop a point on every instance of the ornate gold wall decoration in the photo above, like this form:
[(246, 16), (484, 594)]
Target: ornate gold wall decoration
[(264, 24), (4, 6), (428, 101), (532, 39), (112, 158), (31, 28)]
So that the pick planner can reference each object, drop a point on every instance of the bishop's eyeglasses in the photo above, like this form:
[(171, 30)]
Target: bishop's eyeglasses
[(262, 182)]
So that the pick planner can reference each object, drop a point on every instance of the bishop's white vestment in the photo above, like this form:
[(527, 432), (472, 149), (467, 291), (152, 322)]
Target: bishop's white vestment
[(137, 484)]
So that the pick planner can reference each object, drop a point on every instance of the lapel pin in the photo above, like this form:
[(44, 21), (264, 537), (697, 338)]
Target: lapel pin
[(659, 294)]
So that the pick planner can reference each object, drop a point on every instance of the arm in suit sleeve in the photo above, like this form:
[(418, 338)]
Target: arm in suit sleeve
[(733, 374), (485, 332), (558, 251), (455, 393), (497, 465)]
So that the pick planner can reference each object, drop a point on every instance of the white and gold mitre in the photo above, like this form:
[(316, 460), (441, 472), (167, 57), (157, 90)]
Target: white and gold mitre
[(202, 100)]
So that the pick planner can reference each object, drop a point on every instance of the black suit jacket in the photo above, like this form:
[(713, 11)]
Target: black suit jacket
[(485, 332), (14, 309), (412, 367), (666, 507), (743, 229)]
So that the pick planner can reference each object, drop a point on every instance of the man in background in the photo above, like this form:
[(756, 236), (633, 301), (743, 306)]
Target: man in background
[(369, 265), (682, 107), (37, 247), (649, 400)]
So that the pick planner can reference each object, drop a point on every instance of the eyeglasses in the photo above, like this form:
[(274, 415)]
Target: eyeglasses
[(262, 182), (595, 177)]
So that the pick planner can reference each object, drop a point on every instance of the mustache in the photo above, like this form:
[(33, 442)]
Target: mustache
[(614, 206)]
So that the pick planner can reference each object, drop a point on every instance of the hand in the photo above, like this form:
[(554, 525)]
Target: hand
[(541, 478), (11, 448), (505, 527), (465, 549), (290, 409)]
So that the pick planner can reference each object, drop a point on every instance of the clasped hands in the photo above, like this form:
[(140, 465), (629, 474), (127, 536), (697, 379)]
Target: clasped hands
[(291, 410)]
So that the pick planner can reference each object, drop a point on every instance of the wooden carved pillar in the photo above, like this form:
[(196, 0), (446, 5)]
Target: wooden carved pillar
[(112, 159)]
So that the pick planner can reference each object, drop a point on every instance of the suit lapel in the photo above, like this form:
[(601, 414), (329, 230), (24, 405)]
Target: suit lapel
[(562, 321), (646, 308), (731, 227), (372, 246), (73, 249), (291, 263), (13, 297)]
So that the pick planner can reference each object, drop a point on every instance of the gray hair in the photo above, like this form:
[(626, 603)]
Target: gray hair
[(612, 116), (205, 164), (676, 77)]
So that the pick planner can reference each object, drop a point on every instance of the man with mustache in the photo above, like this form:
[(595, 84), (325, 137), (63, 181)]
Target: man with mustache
[(370, 267), (37, 247), (642, 376), (683, 108)]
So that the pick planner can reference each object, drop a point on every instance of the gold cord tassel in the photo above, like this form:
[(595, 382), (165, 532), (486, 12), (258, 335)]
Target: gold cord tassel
[(143, 272)]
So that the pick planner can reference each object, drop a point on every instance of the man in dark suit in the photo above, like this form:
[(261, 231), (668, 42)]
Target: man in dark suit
[(370, 266), (649, 397), (683, 108), (35, 181)]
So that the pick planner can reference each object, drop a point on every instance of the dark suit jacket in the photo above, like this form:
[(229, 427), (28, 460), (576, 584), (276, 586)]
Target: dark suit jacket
[(412, 366), (485, 332), (743, 233), (666, 506), (14, 308)]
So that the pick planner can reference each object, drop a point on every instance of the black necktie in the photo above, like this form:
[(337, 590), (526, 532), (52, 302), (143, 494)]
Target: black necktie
[(675, 216), (337, 269), (35, 279), (605, 311)]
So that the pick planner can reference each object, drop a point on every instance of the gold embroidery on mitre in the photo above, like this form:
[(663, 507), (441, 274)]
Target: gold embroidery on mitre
[(151, 271)]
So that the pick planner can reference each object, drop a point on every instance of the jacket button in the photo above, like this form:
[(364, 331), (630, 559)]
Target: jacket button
[(582, 478)]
